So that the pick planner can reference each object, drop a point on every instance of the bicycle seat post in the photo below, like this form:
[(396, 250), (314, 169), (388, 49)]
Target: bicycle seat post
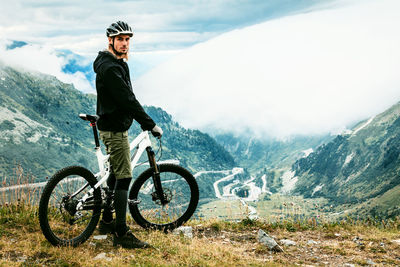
[(92, 119), (96, 136)]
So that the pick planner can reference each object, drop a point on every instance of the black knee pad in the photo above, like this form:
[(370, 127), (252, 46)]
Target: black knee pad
[(123, 184)]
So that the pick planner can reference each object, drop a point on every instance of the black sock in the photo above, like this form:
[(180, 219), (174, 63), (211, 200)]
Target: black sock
[(120, 203)]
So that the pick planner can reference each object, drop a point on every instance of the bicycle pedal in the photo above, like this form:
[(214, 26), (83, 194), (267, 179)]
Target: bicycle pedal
[(133, 201)]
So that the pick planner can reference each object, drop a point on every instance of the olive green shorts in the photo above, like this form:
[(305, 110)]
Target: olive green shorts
[(117, 146)]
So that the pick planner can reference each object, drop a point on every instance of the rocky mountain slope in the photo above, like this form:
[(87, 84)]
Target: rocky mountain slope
[(359, 167), (269, 157), (40, 129)]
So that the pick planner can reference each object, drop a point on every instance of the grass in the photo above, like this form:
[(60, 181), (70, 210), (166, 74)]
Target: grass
[(215, 242)]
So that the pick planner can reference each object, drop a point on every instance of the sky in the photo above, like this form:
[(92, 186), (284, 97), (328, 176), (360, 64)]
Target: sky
[(162, 29), (158, 24), (269, 68)]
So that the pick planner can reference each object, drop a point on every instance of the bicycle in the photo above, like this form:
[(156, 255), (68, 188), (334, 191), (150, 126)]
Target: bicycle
[(163, 197)]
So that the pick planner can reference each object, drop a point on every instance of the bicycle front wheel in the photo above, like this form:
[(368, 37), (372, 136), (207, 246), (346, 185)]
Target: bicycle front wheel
[(66, 219), (180, 190)]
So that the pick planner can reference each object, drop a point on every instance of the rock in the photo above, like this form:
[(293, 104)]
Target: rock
[(22, 259), (312, 242), (102, 256), (338, 235), (100, 237), (265, 239), (287, 242), (358, 241), (185, 230), (226, 241), (370, 262), (397, 242), (349, 265)]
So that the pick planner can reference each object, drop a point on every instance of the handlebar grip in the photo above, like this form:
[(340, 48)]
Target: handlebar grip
[(156, 134)]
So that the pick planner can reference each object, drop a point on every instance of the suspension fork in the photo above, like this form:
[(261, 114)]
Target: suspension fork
[(156, 175)]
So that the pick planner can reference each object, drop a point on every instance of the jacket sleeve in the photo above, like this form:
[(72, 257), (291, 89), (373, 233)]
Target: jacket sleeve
[(125, 98)]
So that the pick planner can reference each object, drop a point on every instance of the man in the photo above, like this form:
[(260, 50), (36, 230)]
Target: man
[(117, 106)]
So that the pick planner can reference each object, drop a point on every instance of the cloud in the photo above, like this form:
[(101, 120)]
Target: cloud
[(47, 60), (142, 62), (80, 25), (69, 67), (308, 73)]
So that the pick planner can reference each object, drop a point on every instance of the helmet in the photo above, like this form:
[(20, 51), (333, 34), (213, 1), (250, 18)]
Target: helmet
[(118, 28)]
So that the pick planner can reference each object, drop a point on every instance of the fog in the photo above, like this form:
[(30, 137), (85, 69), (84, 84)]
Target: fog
[(310, 73)]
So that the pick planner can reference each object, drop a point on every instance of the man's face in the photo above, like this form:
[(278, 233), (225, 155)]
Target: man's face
[(121, 43)]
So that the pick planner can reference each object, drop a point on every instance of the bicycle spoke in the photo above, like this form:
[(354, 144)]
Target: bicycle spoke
[(64, 221), (176, 191)]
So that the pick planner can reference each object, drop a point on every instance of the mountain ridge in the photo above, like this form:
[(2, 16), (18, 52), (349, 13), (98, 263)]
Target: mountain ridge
[(356, 167), (40, 129)]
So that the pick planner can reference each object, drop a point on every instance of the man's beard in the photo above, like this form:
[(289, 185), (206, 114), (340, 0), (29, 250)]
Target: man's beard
[(117, 53)]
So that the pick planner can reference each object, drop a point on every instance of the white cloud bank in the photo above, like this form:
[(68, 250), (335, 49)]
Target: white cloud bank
[(305, 74), (43, 59)]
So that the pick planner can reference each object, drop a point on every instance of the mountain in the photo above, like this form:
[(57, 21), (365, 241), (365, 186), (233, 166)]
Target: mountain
[(361, 167), (39, 127), (269, 157), (195, 150), (40, 130), (255, 153)]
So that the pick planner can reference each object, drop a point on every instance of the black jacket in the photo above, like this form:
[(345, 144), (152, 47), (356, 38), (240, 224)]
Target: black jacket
[(117, 106)]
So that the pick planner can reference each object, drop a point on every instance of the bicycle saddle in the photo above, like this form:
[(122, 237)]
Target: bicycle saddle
[(87, 117)]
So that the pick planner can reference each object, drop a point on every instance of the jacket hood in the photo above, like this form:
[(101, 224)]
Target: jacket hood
[(103, 57)]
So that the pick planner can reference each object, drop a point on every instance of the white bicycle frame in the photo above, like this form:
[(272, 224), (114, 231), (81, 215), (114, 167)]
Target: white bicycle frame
[(141, 142)]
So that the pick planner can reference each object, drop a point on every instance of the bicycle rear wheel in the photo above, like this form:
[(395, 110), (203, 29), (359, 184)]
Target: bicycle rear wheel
[(180, 189), (61, 223)]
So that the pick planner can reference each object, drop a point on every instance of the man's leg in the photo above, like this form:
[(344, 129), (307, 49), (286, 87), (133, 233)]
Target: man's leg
[(118, 147)]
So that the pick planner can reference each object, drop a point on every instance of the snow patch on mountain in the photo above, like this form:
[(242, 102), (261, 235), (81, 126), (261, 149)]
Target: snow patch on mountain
[(307, 152), (348, 159), (19, 128), (363, 126), (317, 188), (288, 181)]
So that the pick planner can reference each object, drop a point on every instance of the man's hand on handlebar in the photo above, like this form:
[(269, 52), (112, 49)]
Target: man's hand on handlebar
[(157, 132)]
